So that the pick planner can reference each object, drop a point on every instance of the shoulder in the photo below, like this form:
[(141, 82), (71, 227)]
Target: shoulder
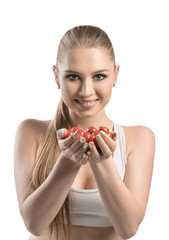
[(138, 136), (135, 131), (31, 122), (35, 127)]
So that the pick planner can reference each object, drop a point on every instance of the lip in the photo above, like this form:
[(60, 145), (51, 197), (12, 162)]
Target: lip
[(86, 100), (86, 106)]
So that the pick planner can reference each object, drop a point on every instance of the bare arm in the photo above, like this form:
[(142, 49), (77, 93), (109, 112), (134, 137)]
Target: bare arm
[(39, 208), (125, 202)]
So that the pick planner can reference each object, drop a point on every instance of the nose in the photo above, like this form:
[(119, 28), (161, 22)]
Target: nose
[(86, 88)]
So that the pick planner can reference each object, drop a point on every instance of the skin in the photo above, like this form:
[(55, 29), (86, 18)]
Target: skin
[(87, 85), (94, 169)]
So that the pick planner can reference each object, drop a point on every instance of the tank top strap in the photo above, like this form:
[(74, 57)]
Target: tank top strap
[(120, 152)]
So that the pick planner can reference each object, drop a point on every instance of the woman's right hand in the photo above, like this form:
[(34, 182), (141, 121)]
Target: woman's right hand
[(72, 148)]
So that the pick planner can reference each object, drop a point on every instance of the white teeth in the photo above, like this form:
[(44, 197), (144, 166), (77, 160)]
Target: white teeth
[(87, 103)]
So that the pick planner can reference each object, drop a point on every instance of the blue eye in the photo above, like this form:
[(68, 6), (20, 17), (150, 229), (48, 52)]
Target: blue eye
[(72, 77), (100, 76)]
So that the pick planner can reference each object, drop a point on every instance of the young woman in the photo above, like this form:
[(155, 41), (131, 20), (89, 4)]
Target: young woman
[(68, 188)]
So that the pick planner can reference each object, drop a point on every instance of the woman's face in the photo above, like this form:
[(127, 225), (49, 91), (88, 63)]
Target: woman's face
[(86, 75)]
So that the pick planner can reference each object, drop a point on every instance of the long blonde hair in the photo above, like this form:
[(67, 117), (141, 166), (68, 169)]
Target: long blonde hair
[(48, 150)]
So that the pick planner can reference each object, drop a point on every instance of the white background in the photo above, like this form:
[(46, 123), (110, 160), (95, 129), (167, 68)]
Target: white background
[(30, 32)]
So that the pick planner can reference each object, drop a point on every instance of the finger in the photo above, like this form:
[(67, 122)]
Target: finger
[(94, 153), (84, 159), (65, 143), (77, 144), (110, 143), (106, 149), (70, 151), (79, 153), (89, 156), (61, 133)]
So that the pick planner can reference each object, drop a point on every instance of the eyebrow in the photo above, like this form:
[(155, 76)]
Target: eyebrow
[(101, 70)]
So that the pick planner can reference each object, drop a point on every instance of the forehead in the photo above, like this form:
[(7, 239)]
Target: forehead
[(86, 58)]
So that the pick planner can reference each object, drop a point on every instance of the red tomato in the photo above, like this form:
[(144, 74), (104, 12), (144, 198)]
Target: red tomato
[(87, 136), (79, 136), (114, 135), (110, 135), (91, 129), (69, 132), (93, 139), (96, 132), (105, 129), (78, 130), (74, 129)]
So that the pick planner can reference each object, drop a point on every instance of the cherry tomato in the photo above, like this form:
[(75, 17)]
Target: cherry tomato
[(105, 129), (90, 134), (114, 135), (87, 136), (110, 135), (96, 132), (69, 132), (74, 129), (79, 136), (93, 139), (91, 129), (78, 130)]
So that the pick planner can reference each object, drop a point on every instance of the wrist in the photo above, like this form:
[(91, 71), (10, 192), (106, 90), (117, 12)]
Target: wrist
[(69, 162), (102, 162)]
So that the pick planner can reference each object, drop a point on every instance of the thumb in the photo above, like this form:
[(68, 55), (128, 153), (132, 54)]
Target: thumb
[(61, 133)]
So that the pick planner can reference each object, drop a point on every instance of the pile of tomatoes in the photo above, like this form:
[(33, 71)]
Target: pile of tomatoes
[(90, 134)]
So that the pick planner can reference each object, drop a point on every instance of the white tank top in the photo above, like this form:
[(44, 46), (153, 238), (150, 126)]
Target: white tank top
[(86, 208)]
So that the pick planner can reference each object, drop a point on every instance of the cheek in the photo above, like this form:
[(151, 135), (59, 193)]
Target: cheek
[(107, 96), (105, 90), (68, 92), (67, 89)]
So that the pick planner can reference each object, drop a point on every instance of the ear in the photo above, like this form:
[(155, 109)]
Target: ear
[(116, 75), (56, 74)]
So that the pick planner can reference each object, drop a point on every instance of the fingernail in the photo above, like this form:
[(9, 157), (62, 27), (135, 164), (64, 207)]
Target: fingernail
[(61, 132), (82, 140), (75, 135), (88, 153), (85, 145), (98, 138), (102, 133), (90, 144)]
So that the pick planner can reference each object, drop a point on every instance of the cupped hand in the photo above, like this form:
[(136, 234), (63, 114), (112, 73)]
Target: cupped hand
[(106, 149), (72, 148)]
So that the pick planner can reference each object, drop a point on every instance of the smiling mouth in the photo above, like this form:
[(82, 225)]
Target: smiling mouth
[(87, 103)]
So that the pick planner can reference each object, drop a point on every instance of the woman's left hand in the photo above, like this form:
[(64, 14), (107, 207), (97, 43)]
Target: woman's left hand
[(106, 149)]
